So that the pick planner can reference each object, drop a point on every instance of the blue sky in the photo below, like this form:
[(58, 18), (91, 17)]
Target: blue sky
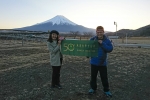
[(129, 14)]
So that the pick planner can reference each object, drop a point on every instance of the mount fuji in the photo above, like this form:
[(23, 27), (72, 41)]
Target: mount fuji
[(59, 23)]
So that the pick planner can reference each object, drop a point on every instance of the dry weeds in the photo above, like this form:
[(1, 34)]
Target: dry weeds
[(25, 74)]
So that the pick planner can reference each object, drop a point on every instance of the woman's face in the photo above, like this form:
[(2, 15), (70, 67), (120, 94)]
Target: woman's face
[(54, 36)]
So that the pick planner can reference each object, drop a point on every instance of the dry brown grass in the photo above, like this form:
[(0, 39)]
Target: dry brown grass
[(140, 38), (133, 40), (25, 74)]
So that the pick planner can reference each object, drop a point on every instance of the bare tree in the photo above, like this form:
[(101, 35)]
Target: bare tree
[(74, 33), (87, 34)]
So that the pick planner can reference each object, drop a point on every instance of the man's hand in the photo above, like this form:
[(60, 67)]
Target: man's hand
[(100, 41)]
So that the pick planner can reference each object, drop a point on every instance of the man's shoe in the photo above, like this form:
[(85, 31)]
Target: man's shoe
[(91, 91), (108, 94), (58, 86)]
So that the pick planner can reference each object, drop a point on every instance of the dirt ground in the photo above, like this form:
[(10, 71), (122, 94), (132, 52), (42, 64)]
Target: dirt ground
[(25, 74)]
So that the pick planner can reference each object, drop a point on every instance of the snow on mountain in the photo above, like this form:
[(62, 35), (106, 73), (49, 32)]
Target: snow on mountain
[(59, 23), (59, 20)]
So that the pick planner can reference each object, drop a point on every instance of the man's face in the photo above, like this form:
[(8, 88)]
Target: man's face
[(100, 33)]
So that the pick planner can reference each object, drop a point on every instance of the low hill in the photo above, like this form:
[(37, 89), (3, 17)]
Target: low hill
[(143, 31)]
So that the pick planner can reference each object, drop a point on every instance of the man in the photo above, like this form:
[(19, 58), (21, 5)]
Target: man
[(99, 63)]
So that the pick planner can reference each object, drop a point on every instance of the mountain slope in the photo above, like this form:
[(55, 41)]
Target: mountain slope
[(143, 31), (59, 20), (59, 23)]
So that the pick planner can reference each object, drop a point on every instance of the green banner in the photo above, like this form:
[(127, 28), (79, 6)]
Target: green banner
[(79, 48)]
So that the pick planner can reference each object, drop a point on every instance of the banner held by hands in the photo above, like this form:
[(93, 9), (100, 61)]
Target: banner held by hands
[(80, 48)]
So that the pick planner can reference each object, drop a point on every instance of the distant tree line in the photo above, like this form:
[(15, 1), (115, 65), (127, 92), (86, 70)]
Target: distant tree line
[(72, 34), (75, 34)]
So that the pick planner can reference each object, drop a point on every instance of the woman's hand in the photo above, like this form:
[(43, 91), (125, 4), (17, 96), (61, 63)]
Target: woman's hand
[(61, 38), (59, 42)]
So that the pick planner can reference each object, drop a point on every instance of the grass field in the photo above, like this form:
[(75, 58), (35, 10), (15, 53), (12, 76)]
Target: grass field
[(133, 40), (130, 40), (25, 74)]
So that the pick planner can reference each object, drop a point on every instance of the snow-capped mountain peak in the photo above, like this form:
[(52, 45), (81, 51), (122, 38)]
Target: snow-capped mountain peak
[(59, 20)]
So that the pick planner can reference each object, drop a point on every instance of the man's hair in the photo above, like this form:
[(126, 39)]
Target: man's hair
[(100, 27)]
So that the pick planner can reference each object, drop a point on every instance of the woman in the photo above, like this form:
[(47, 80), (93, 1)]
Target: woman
[(53, 44)]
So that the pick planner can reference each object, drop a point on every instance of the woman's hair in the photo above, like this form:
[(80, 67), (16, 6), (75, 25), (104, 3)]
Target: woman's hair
[(50, 36)]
